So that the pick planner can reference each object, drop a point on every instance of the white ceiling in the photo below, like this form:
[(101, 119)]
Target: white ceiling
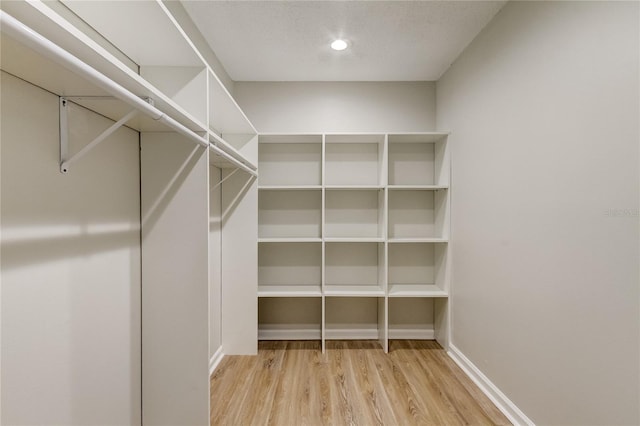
[(289, 40)]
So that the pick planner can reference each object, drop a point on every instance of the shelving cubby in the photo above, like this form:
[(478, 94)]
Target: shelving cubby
[(354, 213), (354, 161), (418, 160), (290, 214), (290, 161), (354, 269), (289, 269), (355, 318), (284, 318), (418, 214), (418, 270), (415, 317)]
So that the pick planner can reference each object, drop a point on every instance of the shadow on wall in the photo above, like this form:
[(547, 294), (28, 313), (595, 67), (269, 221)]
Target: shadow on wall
[(161, 195), (46, 244)]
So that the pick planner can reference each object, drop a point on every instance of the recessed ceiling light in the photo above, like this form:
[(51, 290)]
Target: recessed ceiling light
[(339, 44)]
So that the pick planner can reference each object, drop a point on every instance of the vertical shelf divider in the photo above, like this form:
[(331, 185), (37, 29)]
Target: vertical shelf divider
[(384, 181), (323, 227)]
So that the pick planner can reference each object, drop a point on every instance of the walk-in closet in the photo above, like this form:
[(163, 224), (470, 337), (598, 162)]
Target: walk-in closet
[(319, 212)]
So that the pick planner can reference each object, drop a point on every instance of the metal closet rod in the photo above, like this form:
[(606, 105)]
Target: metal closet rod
[(19, 31)]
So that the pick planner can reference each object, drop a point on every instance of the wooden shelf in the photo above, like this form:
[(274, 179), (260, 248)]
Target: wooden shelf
[(161, 43), (353, 290), (29, 65), (289, 291), (354, 187), (418, 240), (416, 290), (417, 137), (294, 138), (289, 332), (418, 187), (354, 240), (225, 116), (290, 240), (289, 187)]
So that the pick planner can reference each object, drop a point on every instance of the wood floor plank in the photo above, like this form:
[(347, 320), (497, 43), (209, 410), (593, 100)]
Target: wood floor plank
[(425, 393), (352, 383)]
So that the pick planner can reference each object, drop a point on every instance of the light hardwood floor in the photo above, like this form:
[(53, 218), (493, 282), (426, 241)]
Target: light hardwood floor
[(352, 383)]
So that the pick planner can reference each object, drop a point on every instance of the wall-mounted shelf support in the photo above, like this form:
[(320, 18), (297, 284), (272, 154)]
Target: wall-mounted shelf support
[(225, 178), (47, 48), (65, 160)]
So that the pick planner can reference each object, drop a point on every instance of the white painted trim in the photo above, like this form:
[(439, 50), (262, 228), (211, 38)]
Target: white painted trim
[(215, 360), (351, 334), (412, 333), (290, 334), (504, 404)]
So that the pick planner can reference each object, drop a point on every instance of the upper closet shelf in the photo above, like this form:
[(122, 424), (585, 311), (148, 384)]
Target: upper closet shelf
[(145, 31), (225, 116), (423, 137), (173, 73), (420, 187), (46, 72), (161, 43)]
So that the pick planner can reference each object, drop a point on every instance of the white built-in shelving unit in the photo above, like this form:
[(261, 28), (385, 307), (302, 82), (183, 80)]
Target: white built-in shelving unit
[(353, 236), (198, 218)]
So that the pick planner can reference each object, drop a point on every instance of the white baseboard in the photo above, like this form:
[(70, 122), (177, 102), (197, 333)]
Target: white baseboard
[(503, 403), (302, 333), (215, 360), (412, 334), (289, 334), (351, 334)]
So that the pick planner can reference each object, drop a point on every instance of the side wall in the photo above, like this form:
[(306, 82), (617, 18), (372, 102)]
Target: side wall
[(70, 267), (318, 107), (543, 106)]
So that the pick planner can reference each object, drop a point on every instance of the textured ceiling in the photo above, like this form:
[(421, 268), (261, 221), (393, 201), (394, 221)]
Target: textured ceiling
[(389, 40)]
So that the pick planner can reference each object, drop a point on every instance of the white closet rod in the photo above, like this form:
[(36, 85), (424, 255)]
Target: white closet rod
[(27, 36)]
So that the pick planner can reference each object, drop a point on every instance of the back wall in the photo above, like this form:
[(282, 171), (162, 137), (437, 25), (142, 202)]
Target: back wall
[(317, 107)]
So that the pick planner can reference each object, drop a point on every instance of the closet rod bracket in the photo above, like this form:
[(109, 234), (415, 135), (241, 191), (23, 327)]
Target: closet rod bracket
[(225, 178), (65, 159)]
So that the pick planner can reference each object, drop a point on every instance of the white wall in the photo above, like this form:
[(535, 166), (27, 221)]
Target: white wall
[(543, 106), (239, 215), (215, 261), (318, 107), (175, 280), (70, 267)]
